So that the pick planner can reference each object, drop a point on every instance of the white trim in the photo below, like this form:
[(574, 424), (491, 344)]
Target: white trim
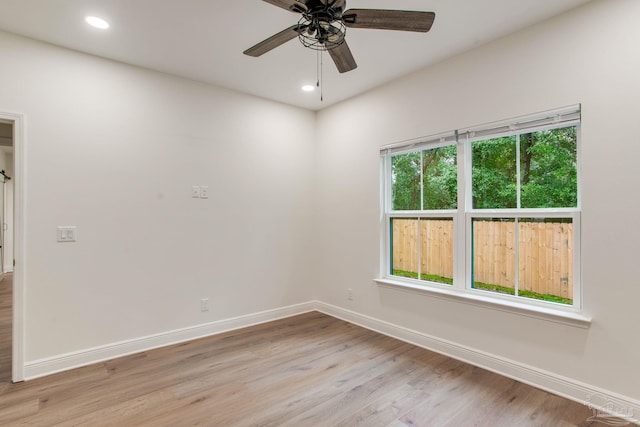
[(542, 311), (65, 362), (17, 358), (594, 397)]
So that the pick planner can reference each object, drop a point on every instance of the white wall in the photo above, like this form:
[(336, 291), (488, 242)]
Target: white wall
[(587, 56), (115, 150)]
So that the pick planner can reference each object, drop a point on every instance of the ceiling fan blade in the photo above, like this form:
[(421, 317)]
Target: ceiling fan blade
[(274, 41), (291, 5), (343, 58), (381, 19)]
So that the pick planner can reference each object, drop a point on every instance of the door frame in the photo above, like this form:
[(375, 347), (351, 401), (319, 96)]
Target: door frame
[(17, 359)]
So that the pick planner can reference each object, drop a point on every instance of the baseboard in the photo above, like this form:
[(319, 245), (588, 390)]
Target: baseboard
[(603, 402), (65, 362)]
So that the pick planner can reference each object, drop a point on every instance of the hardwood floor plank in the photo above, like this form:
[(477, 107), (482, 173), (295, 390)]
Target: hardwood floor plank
[(386, 409), (6, 325), (307, 370)]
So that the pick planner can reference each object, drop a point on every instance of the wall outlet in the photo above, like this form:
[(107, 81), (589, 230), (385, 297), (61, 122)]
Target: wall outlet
[(350, 294), (204, 304)]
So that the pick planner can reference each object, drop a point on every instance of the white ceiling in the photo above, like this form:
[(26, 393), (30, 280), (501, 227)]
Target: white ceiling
[(203, 40)]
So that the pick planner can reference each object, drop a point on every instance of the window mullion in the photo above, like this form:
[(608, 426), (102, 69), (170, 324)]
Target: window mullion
[(518, 180), (422, 180), (420, 218), (386, 237), (517, 226), (419, 248), (517, 256), (461, 236)]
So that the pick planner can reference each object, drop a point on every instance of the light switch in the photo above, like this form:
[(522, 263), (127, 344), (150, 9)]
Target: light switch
[(204, 191), (195, 192), (67, 233)]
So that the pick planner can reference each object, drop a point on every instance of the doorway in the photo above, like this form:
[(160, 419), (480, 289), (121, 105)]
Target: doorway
[(6, 250), (11, 273)]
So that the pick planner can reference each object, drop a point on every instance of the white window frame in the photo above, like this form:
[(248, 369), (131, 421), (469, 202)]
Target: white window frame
[(462, 290)]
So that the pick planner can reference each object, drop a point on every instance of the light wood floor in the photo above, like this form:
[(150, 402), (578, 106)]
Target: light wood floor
[(308, 370), (6, 292)]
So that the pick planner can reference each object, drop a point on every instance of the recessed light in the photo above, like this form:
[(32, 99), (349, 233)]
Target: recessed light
[(308, 88), (96, 22)]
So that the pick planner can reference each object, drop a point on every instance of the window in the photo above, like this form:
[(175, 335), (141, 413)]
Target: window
[(492, 210)]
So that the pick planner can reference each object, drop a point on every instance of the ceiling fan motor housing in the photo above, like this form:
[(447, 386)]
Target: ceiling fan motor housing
[(321, 26)]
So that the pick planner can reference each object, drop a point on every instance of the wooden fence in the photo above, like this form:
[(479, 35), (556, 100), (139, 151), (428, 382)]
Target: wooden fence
[(436, 250), (545, 253)]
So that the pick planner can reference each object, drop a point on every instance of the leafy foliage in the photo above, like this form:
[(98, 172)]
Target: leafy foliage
[(547, 166), (406, 181), (494, 173), (439, 170), (440, 178), (548, 174)]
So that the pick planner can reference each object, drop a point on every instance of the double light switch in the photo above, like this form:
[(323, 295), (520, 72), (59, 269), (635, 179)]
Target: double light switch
[(200, 191)]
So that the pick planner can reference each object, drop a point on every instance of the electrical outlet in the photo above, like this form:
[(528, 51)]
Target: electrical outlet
[(350, 294), (204, 304)]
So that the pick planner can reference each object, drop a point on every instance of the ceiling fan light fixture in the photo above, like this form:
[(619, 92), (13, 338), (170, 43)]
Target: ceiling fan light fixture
[(96, 22), (308, 88), (321, 34)]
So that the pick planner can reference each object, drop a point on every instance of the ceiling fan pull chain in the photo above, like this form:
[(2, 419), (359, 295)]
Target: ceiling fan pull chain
[(321, 82), (318, 68)]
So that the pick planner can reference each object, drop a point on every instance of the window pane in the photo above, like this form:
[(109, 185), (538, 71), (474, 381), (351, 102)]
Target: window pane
[(494, 173), (494, 254), (404, 249), (436, 251), (545, 259), (440, 178), (548, 169), (405, 181)]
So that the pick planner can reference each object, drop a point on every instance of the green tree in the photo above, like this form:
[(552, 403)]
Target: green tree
[(406, 181), (548, 169), (547, 163), (439, 170), (440, 178), (494, 180)]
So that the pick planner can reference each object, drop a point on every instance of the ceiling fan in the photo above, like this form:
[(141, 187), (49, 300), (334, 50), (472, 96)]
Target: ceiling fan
[(324, 22)]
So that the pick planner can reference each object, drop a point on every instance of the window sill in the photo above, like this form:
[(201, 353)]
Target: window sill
[(544, 313)]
